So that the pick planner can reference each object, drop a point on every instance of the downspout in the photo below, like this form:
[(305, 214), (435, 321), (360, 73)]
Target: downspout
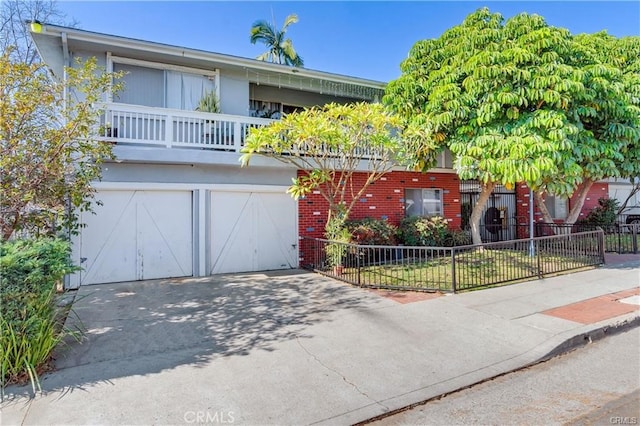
[(109, 70), (65, 97), (66, 63)]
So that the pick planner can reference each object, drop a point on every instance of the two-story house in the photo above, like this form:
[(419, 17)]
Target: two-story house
[(177, 203)]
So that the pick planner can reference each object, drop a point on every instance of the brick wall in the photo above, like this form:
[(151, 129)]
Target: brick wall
[(598, 190), (383, 199)]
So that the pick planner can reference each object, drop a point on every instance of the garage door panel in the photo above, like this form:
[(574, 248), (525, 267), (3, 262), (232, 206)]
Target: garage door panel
[(232, 225), (281, 209), (137, 235), (105, 240), (276, 241), (228, 211), (164, 235), (252, 231)]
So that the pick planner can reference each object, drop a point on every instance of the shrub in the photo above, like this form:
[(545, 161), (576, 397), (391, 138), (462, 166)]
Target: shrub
[(29, 322), (605, 213), (336, 231), (460, 238), (370, 231), (424, 231)]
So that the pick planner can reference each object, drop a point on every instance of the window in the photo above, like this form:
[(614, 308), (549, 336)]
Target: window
[(423, 202), (274, 110), (265, 109), (162, 85), (445, 160), (558, 206), (141, 86)]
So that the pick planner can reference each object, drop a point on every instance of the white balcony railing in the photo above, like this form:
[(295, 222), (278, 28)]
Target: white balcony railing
[(173, 128), (140, 125)]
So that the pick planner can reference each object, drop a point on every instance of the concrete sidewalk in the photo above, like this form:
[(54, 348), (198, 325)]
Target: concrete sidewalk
[(297, 348)]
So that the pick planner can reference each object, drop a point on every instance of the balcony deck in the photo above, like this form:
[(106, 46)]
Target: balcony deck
[(171, 128), (171, 135)]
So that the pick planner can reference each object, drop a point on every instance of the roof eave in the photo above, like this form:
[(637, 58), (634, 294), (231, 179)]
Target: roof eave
[(111, 40)]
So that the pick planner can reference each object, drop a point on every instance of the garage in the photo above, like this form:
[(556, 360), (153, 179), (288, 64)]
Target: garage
[(253, 230), (136, 235)]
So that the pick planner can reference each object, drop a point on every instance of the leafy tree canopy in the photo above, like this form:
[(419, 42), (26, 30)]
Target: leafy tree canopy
[(495, 93), (505, 98), (607, 113), (281, 50), (331, 143), (48, 153)]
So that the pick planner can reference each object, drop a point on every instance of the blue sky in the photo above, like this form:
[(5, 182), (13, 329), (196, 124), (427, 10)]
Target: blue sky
[(363, 39)]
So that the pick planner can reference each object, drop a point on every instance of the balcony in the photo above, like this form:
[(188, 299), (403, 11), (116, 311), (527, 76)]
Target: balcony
[(137, 130), (172, 128)]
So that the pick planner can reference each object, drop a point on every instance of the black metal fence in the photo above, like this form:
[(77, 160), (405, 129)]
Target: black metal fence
[(507, 229), (629, 218), (618, 238), (451, 269)]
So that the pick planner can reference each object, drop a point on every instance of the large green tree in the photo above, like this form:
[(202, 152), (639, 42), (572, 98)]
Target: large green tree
[(281, 50), (48, 152), (331, 144), (498, 94), (607, 114)]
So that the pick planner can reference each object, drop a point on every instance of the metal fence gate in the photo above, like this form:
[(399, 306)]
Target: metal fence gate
[(498, 221)]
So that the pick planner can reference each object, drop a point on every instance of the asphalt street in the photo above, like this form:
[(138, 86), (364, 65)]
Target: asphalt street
[(598, 384)]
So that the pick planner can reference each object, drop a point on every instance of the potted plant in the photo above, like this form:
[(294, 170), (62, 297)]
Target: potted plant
[(108, 132), (209, 103)]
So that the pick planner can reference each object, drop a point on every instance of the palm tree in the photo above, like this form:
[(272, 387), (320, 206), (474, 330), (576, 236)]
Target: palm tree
[(281, 49)]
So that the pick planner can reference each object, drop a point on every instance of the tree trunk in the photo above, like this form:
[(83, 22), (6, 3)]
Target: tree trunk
[(574, 213), (334, 213), (546, 216), (476, 214), (8, 228), (6, 233), (634, 190)]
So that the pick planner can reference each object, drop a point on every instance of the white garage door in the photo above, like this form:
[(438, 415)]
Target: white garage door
[(253, 231), (137, 235)]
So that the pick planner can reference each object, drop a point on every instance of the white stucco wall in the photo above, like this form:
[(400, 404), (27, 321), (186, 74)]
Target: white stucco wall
[(234, 93), (199, 174), (620, 190), (101, 57)]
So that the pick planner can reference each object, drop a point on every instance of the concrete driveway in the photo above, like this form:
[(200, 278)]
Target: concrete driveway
[(172, 332), (293, 348), (197, 320)]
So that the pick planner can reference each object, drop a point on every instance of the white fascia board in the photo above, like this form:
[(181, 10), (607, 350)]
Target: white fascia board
[(161, 186), (110, 40), (159, 155), (159, 65)]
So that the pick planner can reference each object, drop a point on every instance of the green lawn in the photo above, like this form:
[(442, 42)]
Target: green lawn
[(473, 269), (615, 241)]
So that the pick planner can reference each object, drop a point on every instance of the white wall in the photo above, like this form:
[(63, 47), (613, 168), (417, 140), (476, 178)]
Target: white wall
[(101, 57), (204, 174), (234, 93), (620, 191)]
